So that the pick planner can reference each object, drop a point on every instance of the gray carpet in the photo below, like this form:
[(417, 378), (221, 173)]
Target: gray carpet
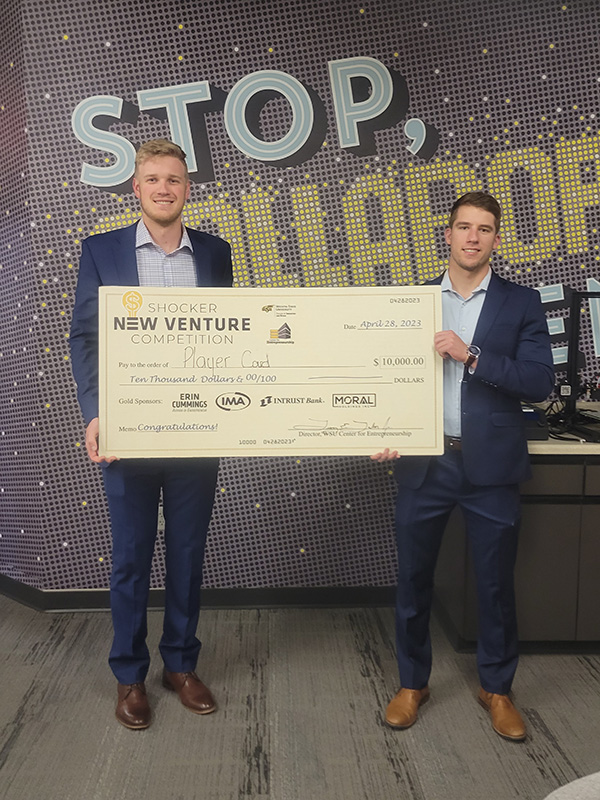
[(301, 694)]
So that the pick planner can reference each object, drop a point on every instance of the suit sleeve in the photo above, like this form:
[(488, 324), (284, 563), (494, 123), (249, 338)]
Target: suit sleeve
[(84, 334), (227, 266), (528, 374)]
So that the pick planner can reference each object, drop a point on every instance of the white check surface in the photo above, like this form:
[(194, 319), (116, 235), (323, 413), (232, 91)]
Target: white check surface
[(266, 372)]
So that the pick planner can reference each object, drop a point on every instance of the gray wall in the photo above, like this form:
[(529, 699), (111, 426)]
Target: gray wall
[(509, 89)]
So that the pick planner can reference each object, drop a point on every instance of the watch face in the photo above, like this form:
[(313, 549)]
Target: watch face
[(474, 351)]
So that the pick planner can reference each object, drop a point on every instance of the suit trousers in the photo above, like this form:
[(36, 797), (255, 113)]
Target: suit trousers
[(133, 488), (492, 518)]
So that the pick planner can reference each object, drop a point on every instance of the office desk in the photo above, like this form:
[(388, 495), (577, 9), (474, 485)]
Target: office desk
[(557, 577)]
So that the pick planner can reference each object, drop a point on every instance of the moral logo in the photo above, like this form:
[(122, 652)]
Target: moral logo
[(233, 401), (354, 400)]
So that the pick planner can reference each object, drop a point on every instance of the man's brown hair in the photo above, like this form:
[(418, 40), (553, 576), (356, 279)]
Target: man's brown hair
[(479, 200), (159, 147)]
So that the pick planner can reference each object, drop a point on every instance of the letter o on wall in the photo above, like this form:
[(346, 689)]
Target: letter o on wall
[(236, 123)]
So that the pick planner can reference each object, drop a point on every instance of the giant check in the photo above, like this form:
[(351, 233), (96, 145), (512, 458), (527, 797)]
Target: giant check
[(231, 372)]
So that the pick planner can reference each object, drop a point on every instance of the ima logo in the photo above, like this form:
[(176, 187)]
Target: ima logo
[(233, 401)]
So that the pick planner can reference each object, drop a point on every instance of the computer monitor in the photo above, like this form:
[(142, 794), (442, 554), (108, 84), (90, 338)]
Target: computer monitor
[(571, 391)]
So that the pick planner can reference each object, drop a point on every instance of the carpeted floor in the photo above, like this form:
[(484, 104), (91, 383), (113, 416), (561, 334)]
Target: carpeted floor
[(301, 694)]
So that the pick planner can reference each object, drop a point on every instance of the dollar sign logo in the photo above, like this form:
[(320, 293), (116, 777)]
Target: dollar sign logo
[(132, 302)]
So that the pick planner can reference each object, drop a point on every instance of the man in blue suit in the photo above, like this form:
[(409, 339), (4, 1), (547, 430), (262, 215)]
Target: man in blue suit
[(157, 251), (496, 351)]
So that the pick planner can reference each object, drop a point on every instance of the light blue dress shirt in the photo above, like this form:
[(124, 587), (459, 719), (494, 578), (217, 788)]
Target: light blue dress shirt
[(157, 268), (461, 316)]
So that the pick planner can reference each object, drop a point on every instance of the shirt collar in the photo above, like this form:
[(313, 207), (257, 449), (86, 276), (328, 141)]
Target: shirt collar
[(483, 286), (142, 237)]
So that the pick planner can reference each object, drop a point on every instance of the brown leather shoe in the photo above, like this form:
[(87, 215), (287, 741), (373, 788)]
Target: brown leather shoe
[(506, 720), (403, 709), (192, 692), (133, 709)]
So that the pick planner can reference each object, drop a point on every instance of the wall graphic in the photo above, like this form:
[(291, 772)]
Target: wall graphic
[(327, 141)]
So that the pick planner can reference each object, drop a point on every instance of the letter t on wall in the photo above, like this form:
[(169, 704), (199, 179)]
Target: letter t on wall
[(176, 99)]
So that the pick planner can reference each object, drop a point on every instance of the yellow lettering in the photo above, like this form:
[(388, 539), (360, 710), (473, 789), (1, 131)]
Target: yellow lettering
[(229, 227), (538, 166), (262, 240), (425, 222), (574, 160), (308, 222), (367, 256)]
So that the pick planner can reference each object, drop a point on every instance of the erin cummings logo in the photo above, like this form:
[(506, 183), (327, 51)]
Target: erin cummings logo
[(132, 301), (284, 332), (232, 401), (354, 400)]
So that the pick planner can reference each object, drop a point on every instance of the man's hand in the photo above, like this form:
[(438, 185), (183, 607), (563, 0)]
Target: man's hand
[(449, 345), (386, 455), (91, 443)]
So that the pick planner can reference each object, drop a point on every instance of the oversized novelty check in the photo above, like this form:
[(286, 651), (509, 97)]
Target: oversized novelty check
[(265, 372)]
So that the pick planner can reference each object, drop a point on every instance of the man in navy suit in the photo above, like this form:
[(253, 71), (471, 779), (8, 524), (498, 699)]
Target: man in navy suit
[(496, 351), (157, 251)]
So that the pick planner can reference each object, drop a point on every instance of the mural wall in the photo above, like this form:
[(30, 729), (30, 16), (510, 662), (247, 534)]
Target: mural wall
[(327, 141)]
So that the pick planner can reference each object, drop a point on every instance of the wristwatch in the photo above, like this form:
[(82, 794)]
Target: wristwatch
[(473, 353)]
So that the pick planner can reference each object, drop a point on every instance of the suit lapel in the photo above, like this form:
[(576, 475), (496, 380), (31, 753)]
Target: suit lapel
[(124, 257), (496, 296), (202, 259)]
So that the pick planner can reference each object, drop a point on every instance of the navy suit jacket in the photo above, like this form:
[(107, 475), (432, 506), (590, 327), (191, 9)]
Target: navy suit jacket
[(515, 364), (109, 259)]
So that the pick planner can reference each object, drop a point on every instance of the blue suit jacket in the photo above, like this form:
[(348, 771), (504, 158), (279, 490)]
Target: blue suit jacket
[(515, 364), (109, 259)]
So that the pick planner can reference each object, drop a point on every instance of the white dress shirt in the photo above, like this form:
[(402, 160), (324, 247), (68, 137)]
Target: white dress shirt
[(157, 268), (461, 316)]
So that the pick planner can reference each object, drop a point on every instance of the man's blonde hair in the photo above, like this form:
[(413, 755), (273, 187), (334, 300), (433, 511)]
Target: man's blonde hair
[(156, 148)]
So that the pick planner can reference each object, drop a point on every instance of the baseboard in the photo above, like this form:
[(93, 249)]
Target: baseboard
[(61, 600), (531, 647), (73, 600)]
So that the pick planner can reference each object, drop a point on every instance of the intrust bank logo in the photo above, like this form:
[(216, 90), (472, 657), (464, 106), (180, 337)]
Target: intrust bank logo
[(272, 400)]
